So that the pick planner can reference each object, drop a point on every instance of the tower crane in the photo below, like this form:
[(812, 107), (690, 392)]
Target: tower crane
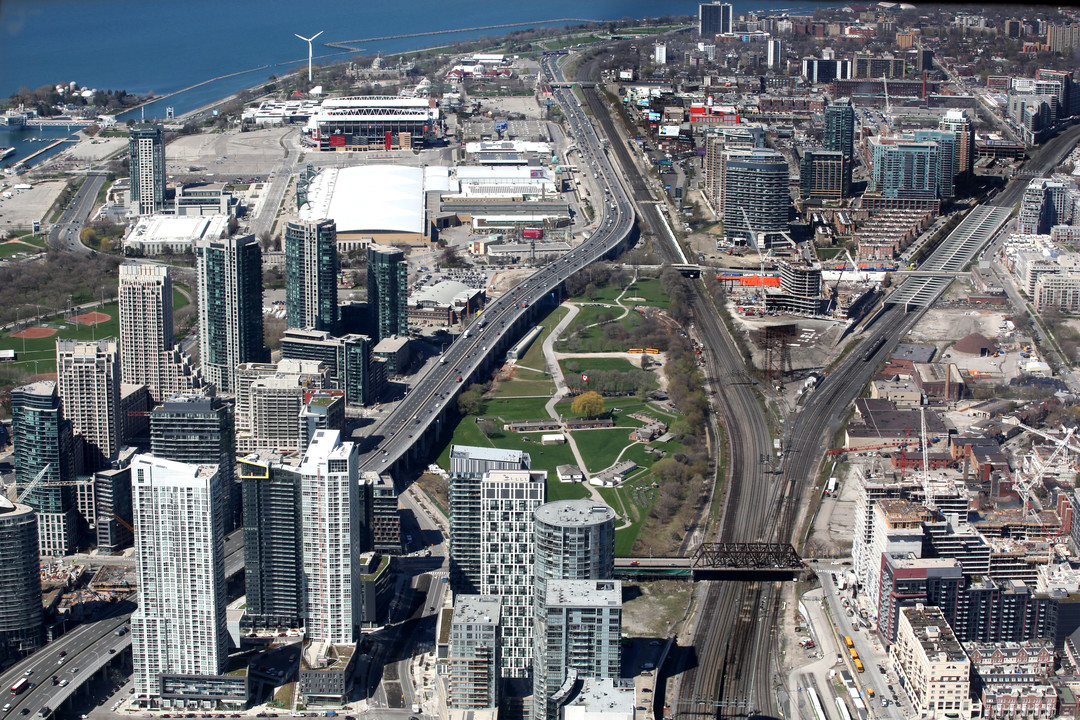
[(928, 494), (761, 258), (30, 486)]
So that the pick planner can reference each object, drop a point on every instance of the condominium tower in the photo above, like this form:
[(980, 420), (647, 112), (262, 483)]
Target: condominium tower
[(230, 307), (88, 376), (146, 326), (388, 289), (468, 464), (179, 626), (146, 150), (21, 612), (714, 18), (272, 540), (311, 269), (508, 503), (579, 629), (756, 196), (329, 515), (575, 540), (43, 438), (198, 429)]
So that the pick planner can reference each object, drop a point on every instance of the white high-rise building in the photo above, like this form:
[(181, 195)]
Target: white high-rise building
[(774, 49), (330, 518), (146, 324), (179, 627), (88, 378), (660, 54), (508, 503)]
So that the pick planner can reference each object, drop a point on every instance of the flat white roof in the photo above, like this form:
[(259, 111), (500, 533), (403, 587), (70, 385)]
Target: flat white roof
[(176, 228), (368, 198)]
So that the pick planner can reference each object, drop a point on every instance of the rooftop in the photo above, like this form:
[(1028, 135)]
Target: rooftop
[(607, 695), (477, 610), (591, 593), (474, 452), (368, 198), (574, 513), (933, 632)]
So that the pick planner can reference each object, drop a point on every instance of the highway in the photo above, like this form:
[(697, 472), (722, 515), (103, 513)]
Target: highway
[(65, 233), (423, 407), (75, 657)]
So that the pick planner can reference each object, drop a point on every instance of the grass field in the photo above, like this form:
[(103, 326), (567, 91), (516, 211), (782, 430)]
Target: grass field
[(599, 448), (592, 339), (8, 250), (534, 356), (648, 288), (39, 355), (511, 409), (597, 364), (525, 383)]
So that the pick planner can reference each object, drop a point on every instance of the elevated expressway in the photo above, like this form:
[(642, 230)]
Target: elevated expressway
[(406, 433)]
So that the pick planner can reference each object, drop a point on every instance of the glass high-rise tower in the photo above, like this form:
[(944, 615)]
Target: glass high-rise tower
[(43, 437), (388, 289), (311, 269), (230, 307), (199, 429)]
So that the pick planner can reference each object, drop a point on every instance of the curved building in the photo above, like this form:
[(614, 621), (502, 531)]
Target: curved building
[(575, 540), (20, 581), (575, 544)]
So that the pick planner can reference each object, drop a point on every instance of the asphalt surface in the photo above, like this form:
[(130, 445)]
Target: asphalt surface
[(65, 233)]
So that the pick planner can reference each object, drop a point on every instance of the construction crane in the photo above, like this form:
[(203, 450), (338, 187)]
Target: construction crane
[(761, 258), (33, 483), (39, 479), (1026, 486), (888, 105), (1048, 436), (115, 517)]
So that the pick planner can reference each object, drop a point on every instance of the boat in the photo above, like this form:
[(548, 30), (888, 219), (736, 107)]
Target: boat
[(6, 153)]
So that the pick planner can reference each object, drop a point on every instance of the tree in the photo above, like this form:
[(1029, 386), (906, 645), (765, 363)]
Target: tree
[(470, 402), (487, 427), (87, 236), (589, 404)]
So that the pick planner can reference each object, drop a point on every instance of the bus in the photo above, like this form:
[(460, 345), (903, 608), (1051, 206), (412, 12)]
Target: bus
[(20, 685), (854, 655), (858, 665), (847, 641)]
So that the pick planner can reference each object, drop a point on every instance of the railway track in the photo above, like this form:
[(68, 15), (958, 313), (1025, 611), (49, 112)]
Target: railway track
[(726, 672)]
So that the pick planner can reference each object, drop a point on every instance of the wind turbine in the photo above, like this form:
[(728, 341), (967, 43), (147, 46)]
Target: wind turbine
[(308, 41)]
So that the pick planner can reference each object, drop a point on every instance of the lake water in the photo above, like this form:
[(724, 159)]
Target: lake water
[(146, 46)]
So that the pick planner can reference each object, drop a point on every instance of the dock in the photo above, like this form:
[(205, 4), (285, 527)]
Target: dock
[(45, 149)]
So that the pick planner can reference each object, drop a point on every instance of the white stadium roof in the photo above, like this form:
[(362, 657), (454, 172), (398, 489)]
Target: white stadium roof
[(368, 198)]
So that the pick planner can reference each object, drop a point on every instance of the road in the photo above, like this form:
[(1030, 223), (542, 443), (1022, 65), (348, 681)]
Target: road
[(423, 407), (65, 233), (75, 657)]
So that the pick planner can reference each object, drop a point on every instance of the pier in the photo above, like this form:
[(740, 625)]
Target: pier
[(45, 149)]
